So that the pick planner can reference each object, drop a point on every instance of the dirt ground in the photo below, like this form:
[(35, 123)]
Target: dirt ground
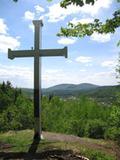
[(110, 147), (59, 154), (46, 155)]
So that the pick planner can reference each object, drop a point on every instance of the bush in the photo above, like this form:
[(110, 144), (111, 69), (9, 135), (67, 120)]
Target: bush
[(95, 128), (113, 133), (76, 127)]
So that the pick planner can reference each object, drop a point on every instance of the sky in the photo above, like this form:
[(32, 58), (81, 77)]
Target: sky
[(90, 59)]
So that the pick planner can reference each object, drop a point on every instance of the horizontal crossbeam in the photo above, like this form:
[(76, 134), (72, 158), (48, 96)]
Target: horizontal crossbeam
[(33, 53), (53, 52), (21, 53)]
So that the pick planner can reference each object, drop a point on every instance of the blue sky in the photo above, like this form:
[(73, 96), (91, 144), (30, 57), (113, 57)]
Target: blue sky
[(90, 59)]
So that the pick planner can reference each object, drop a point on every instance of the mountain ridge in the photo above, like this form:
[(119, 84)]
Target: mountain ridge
[(66, 86), (105, 94)]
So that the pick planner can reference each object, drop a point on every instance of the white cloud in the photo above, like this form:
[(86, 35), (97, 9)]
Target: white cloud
[(51, 71), (52, 77), (31, 27), (89, 64), (42, 17), (83, 20), (94, 9), (79, 76), (101, 38), (82, 70), (83, 59), (103, 78), (28, 15), (66, 41), (23, 76), (39, 9), (69, 61), (8, 42), (56, 13), (3, 27), (19, 76), (109, 63)]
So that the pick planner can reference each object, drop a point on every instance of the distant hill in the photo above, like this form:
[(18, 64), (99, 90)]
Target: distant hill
[(28, 92), (63, 90), (106, 94), (68, 89), (82, 86)]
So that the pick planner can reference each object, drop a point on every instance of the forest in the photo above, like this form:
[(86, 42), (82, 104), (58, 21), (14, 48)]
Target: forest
[(82, 116)]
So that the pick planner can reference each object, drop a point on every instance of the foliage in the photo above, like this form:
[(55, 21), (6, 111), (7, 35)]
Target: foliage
[(118, 67), (81, 116), (65, 3), (113, 133), (95, 128), (113, 130), (81, 30), (80, 3), (15, 109), (102, 94)]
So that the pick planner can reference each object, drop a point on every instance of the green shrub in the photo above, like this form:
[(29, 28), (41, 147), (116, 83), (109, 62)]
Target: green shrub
[(81, 116), (95, 128), (77, 127), (112, 133)]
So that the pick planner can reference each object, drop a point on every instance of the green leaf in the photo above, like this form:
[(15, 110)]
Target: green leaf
[(118, 44)]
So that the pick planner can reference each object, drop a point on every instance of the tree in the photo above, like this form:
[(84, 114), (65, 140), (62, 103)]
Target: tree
[(65, 3), (118, 77), (81, 30), (3, 87), (118, 68)]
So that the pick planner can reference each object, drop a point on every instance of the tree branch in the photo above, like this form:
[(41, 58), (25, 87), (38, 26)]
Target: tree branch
[(81, 30)]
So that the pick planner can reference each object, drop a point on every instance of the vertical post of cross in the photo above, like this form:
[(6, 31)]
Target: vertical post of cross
[(37, 80)]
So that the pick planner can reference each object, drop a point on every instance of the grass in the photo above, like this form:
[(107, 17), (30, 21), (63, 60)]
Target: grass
[(20, 141)]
